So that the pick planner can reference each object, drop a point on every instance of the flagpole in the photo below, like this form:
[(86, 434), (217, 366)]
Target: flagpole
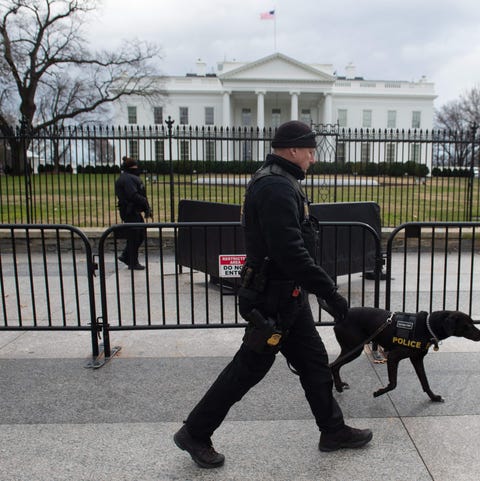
[(275, 32)]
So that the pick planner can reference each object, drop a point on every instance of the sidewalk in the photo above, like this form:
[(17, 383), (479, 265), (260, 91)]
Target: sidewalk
[(61, 421)]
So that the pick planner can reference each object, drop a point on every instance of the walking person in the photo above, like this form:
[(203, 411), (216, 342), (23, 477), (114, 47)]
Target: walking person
[(132, 201), (279, 272)]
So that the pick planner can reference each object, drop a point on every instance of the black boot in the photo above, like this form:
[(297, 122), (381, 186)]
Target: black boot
[(202, 452), (136, 267), (346, 437), (123, 258)]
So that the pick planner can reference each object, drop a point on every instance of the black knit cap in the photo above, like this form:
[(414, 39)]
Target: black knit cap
[(129, 163), (294, 134)]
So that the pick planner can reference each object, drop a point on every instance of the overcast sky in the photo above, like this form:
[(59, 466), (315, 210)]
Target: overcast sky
[(384, 39)]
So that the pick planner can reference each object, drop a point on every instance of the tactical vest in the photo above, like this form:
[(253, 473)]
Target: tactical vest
[(408, 332), (309, 224)]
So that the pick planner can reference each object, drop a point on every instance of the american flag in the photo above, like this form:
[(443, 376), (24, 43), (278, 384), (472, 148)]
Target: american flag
[(270, 15)]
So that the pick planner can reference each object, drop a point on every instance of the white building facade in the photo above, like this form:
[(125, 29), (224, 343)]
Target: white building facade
[(277, 88), (273, 90)]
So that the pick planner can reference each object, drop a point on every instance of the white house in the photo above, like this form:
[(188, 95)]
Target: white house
[(270, 91), (277, 88)]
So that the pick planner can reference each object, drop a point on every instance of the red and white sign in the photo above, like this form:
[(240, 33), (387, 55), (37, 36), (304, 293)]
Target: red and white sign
[(230, 265)]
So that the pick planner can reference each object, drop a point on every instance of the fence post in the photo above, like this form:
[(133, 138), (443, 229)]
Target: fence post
[(170, 123), (469, 213), (24, 142)]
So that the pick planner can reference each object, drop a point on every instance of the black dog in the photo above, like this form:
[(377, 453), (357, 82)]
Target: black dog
[(401, 335)]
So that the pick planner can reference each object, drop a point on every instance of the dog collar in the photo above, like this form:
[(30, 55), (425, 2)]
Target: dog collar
[(434, 337)]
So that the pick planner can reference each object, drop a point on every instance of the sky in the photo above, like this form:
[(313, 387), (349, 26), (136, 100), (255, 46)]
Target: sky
[(384, 39)]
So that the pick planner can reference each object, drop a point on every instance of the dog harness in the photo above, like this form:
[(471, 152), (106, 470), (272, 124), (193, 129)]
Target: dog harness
[(410, 333)]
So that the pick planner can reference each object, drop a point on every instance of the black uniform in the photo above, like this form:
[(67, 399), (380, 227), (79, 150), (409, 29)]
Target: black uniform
[(132, 201), (279, 270)]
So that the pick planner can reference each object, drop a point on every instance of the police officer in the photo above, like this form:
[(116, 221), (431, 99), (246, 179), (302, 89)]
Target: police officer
[(132, 201), (279, 272)]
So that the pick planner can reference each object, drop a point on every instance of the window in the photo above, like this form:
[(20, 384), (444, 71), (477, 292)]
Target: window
[(246, 117), (159, 150), (415, 151), (158, 115), (306, 116), (392, 119), (367, 118), (133, 149), (341, 152), (183, 115), (247, 150), (276, 118), (209, 119), (365, 152), (210, 150), (390, 152), (342, 117), (184, 150), (132, 115), (416, 116)]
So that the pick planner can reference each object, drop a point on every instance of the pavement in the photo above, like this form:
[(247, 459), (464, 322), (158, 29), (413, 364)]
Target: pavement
[(63, 421)]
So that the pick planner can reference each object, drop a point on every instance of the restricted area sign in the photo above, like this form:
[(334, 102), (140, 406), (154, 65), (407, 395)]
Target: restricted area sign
[(230, 265)]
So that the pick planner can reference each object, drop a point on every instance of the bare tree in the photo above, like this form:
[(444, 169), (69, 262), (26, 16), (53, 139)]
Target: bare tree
[(459, 119), (460, 114), (49, 76), (103, 151)]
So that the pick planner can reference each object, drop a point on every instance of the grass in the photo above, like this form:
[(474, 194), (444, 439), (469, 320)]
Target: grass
[(88, 200)]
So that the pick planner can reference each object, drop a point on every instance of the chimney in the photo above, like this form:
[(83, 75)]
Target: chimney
[(201, 68), (350, 71)]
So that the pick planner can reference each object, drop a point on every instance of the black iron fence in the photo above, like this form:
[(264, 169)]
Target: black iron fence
[(67, 175)]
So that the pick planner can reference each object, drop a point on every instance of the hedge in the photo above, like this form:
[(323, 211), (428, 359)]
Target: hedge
[(189, 167)]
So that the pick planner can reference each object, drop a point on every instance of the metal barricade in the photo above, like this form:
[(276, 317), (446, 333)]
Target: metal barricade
[(434, 266), (183, 285), (46, 280)]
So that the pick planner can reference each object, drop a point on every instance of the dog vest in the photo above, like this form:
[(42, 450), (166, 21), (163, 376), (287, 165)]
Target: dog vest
[(408, 332)]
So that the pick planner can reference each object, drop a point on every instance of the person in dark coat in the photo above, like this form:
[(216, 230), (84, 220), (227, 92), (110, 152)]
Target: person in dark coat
[(279, 272), (132, 201)]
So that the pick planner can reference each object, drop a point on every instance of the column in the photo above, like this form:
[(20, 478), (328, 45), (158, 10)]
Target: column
[(226, 109), (294, 105), (260, 109), (327, 109)]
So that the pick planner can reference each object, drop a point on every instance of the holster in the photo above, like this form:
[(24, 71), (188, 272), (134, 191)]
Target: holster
[(270, 314), (262, 334)]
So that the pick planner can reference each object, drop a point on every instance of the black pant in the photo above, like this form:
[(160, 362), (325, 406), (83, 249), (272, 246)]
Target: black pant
[(304, 350), (135, 238)]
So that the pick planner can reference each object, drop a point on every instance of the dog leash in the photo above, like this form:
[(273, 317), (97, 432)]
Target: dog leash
[(434, 337), (378, 331), (387, 322)]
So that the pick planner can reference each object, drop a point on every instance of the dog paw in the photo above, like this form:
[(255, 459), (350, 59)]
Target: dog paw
[(437, 399), (340, 387)]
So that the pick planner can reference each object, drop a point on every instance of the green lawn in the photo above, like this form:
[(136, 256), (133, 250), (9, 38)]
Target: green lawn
[(88, 200)]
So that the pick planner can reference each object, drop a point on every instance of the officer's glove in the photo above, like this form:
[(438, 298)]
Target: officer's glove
[(149, 213), (335, 304)]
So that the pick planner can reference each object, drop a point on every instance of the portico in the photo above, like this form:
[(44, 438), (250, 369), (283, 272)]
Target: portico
[(289, 91)]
